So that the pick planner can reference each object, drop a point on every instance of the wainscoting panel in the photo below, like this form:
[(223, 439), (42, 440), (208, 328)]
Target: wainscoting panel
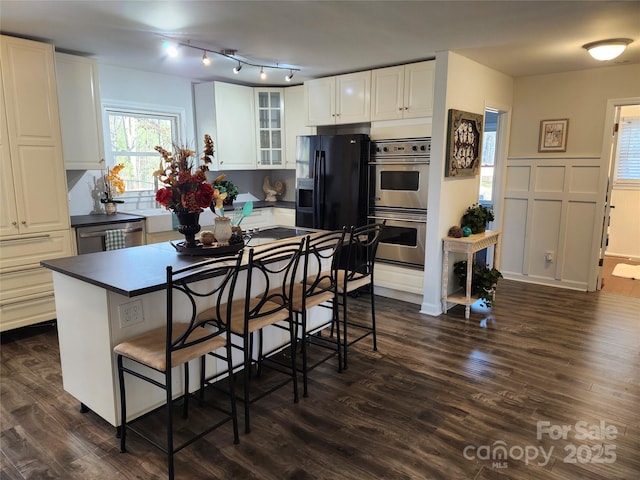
[(552, 209)]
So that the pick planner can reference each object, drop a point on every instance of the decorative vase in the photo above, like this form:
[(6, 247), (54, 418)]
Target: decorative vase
[(222, 229), (110, 208), (188, 226)]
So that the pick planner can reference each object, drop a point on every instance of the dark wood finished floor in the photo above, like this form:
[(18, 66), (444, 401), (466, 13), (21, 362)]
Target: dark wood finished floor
[(619, 285), (437, 387)]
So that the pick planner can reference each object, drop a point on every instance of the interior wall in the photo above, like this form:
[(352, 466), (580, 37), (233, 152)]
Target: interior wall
[(554, 202), (129, 86), (464, 85)]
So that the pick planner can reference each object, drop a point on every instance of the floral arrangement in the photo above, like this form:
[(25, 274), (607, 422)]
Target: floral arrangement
[(184, 191), (222, 189), (113, 184)]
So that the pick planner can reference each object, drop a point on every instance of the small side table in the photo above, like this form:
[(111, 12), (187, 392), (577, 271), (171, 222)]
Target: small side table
[(469, 245)]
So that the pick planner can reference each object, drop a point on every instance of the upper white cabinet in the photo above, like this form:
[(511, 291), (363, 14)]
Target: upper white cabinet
[(294, 122), (226, 112), (269, 117), (80, 112), (340, 99), (34, 193), (405, 91)]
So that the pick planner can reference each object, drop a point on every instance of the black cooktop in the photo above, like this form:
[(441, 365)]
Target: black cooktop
[(278, 233)]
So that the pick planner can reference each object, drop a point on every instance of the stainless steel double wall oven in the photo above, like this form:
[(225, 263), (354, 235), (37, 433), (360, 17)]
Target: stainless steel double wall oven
[(399, 172)]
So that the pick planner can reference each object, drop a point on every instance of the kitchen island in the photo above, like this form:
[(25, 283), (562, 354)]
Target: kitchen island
[(105, 298)]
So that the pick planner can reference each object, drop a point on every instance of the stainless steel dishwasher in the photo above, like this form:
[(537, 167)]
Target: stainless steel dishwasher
[(90, 236)]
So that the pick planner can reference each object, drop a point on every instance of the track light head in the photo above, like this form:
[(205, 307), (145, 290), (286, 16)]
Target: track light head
[(289, 77), (237, 68), (206, 60), (263, 75)]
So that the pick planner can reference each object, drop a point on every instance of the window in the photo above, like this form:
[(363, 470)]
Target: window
[(627, 171), (487, 167), (132, 136)]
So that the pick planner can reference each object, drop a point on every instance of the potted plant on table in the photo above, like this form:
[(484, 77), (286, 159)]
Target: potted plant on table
[(113, 185), (476, 218), (483, 280)]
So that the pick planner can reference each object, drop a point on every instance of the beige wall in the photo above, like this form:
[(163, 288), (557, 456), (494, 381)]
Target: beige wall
[(555, 201), (464, 85), (579, 96)]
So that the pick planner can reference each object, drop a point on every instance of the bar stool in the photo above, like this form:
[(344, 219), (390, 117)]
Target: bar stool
[(264, 305), (183, 338), (353, 275), (319, 288)]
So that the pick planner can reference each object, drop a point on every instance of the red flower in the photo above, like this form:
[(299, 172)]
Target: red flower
[(204, 195), (164, 196)]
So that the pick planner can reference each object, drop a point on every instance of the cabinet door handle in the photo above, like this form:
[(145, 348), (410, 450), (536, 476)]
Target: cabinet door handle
[(24, 222), (14, 223)]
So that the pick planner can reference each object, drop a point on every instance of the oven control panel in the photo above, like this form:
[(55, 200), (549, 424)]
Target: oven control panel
[(405, 147)]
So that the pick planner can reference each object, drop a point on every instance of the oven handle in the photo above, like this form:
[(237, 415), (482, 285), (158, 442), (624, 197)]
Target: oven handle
[(401, 162), (103, 233), (396, 219)]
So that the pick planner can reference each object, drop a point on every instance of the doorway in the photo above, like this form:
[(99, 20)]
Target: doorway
[(491, 169), (619, 261)]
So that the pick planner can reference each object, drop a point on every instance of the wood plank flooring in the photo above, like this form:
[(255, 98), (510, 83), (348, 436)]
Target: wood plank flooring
[(436, 388), (619, 285)]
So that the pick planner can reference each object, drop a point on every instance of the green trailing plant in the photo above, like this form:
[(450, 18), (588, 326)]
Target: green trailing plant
[(476, 218), (483, 280)]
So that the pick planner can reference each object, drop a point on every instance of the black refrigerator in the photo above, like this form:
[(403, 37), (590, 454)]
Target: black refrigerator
[(332, 181)]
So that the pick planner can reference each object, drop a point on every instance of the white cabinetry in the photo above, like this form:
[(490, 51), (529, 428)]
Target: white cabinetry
[(340, 99), (294, 122), (226, 112), (405, 91), (80, 112), (269, 116), (34, 214)]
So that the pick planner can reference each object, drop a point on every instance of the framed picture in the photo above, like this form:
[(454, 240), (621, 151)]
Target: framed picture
[(553, 135), (464, 143)]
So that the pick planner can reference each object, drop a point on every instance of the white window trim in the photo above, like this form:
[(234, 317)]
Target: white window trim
[(625, 183)]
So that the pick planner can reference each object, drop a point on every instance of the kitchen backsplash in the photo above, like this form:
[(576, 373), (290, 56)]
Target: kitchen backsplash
[(84, 187)]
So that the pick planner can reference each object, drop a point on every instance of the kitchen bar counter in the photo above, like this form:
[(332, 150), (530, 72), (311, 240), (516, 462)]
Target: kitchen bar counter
[(139, 270), (105, 298)]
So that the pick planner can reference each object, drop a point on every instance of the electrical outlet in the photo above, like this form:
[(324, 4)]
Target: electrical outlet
[(548, 256), (131, 313)]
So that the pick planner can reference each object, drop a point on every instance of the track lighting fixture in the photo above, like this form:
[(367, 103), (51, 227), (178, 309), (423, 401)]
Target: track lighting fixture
[(171, 48), (604, 50)]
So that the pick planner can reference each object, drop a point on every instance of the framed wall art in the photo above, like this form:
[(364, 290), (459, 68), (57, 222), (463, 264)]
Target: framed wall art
[(553, 135), (464, 143)]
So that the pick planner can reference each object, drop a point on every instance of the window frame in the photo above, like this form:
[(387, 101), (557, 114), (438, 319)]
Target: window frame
[(177, 115)]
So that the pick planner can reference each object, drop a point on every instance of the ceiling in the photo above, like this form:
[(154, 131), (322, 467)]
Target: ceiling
[(321, 38)]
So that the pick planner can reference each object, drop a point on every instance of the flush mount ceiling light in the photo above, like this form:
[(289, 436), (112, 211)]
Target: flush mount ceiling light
[(604, 50), (171, 48)]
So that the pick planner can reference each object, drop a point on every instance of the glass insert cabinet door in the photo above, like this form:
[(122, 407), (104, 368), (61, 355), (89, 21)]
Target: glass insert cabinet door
[(269, 127)]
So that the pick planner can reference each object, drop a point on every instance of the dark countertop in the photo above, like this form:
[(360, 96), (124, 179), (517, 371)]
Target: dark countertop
[(139, 270), (262, 204), (102, 219)]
